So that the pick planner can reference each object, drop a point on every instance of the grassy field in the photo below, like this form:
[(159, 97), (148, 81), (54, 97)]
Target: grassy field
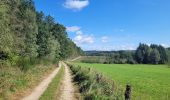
[(92, 59), (149, 82)]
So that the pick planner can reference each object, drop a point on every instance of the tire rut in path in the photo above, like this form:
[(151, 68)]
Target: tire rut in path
[(67, 89)]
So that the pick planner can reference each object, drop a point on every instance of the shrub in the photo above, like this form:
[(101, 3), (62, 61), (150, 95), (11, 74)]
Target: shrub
[(24, 63), (93, 85)]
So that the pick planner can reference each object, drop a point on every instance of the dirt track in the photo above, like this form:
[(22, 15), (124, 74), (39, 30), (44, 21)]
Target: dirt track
[(39, 90), (67, 88)]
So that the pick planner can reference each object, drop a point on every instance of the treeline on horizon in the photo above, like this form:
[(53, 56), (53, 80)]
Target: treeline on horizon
[(144, 54), (28, 36)]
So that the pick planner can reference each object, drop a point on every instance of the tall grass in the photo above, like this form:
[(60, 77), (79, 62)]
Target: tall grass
[(14, 82), (94, 86)]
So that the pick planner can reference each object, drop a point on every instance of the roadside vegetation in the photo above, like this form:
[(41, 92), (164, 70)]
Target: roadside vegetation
[(148, 82), (53, 89), (95, 86), (14, 83)]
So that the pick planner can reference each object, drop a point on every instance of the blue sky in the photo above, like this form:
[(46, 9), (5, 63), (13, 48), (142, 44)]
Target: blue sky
[(111, 24)]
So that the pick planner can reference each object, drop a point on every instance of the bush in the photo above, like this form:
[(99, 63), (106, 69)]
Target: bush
[(24, 63), (94, 86), (131, 61), (3, 55)]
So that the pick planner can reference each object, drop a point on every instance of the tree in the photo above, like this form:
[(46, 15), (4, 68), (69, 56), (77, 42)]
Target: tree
[(148, 51), (140, 53), (144, 54), (28, 15), (6, 38), (47, 43), (155, 56), (168, 55), (162, 51), (26, 34), (163, 55), (59, 32)]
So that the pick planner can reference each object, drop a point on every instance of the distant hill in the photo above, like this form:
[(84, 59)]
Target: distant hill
[(104, 53)]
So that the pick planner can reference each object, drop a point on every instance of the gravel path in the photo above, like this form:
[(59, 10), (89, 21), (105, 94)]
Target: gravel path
[(67, 86), (75, 58)]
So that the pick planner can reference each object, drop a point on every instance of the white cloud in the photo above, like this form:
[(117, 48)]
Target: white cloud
[(104, 39), (126, 47), (79, 33), (76, 4), (110, 47), (73, 28), (164, 45), (80, 38)]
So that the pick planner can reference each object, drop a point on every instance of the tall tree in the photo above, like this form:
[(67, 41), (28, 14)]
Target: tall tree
[(59, 32), (155, 56), (163, 55), (28, 16), (25, 34), (142, 53), (6, 38)]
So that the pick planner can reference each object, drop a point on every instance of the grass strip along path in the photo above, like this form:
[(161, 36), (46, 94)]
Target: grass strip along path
[(52, 90), (62, 87)]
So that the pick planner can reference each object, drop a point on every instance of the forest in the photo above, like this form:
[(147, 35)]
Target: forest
[(144, 54), (28, 36)]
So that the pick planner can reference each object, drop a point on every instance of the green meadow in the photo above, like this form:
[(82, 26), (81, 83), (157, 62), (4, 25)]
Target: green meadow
[(149, 82)]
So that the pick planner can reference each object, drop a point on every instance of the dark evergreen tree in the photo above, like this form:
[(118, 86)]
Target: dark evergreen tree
[(163, 55), (155, 56)]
